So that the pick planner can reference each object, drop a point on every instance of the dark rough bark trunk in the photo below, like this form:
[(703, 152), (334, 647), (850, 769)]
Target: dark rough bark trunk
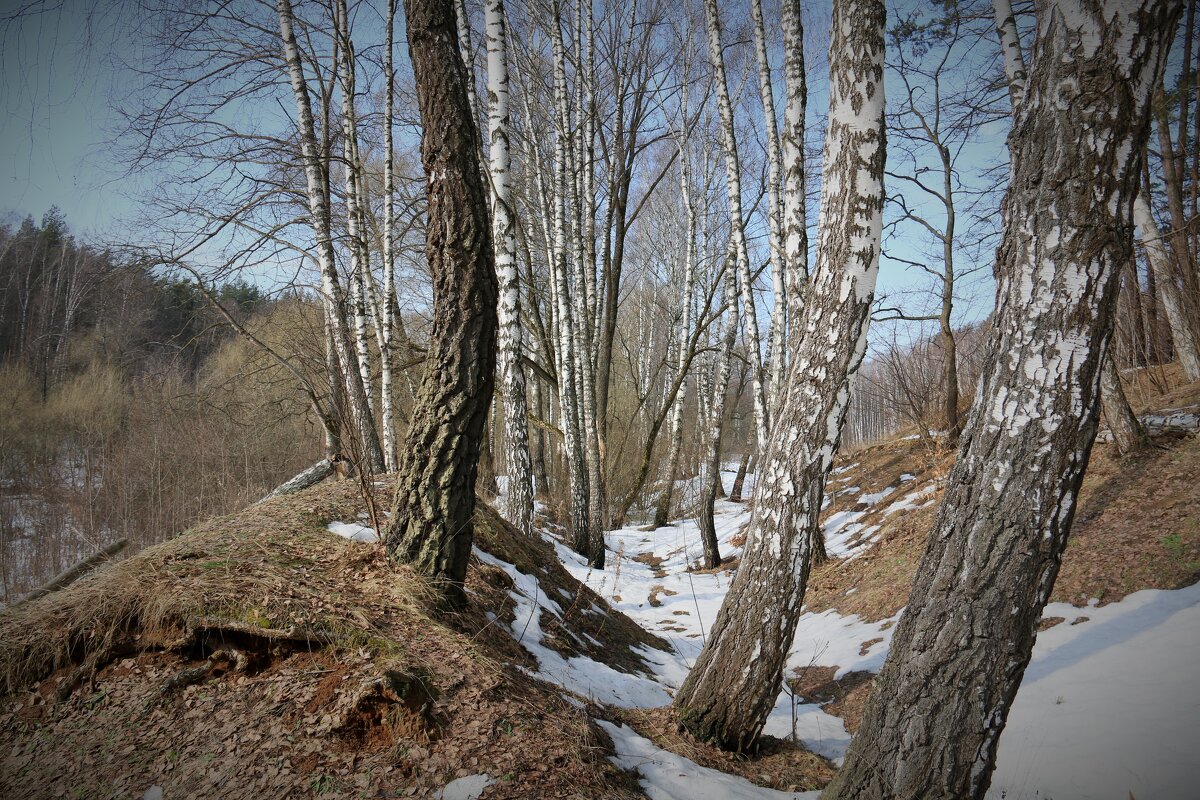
[(541, 483), (960, 651), (1127, 432), (949, 372), (734, 685), (819, 554), (435, 485), (708, 530), (739, 480)]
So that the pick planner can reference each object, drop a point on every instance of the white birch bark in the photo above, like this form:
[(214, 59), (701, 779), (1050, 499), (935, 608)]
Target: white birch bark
[(733, 182), (1183, 330), (358, 286), (317, 177), (518, 506), (567, 338), (663, 511), (779, 263), (1010, 49), (387, 407), (795, 216), (732, 688)]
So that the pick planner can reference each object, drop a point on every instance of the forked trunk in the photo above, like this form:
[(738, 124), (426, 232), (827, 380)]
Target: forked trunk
[(733, 687)]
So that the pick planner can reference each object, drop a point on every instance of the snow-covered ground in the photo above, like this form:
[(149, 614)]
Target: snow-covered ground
[(1110, 705)]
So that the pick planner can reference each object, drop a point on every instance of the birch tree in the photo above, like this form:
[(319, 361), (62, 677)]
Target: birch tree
[(734, 197), (732, 688), (959, 653), (386, 355), (519, 498), (795, 221), (1184, 326), (435, 484), (316, 171), (779, 263)]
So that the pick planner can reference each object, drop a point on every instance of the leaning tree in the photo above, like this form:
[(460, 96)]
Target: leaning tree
[(735, 682), (960, 651)]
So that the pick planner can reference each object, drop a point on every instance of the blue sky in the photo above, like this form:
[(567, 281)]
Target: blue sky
[(60, 84), (55, 112)]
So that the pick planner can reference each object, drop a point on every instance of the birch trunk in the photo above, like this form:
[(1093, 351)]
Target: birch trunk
[(733, 687), (1010, 49), (733, 182), (518, 506), (795, 222), (960, 651), (354, 218), (1127, 432), (386, 356), (1185, 328), (711, 485), (663, 511), (316, 172), (567, 340), (779, 265), (435, 485)]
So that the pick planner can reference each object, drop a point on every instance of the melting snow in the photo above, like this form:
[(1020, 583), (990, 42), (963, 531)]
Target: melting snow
[(354, 532), (468, 787), (666, 776)]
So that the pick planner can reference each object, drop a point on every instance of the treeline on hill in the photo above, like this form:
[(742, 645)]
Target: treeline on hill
[(128, 409)]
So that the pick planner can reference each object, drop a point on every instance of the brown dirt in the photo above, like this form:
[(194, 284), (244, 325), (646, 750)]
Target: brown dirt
[(778, 764), (381, 698), (1137, 527), (845, 697)]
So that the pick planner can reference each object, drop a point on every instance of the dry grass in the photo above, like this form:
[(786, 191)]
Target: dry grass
[(259, 654)]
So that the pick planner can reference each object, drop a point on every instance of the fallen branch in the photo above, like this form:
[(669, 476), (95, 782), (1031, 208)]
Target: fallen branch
[(69, 576), (309, 477)]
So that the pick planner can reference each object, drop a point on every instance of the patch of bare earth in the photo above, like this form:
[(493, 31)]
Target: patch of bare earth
[(776, 764), (260, 656), (1137, 526), (844, 697)]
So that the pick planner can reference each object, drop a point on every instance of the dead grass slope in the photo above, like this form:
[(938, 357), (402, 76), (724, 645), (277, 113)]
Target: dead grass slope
[(258, 655), (1137, 526)]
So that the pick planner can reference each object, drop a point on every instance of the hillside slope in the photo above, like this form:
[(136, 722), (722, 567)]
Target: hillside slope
[(260, 655)]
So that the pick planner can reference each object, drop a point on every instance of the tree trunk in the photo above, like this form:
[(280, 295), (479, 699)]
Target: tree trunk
[(435, 484), (961, 648), (795, 223), (564, 322), (733, 185), (1185, 328), (1010, 48), (712, 461), (316, 171), (739, 480), (386, 355), (774, 209), (1127, 432), (518, 506), (309, 477), (663, 511), (733, 687)]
